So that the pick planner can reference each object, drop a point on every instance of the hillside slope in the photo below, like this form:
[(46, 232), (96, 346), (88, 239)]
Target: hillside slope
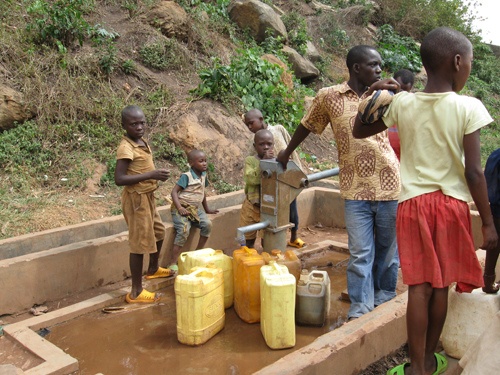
[(58, 167)]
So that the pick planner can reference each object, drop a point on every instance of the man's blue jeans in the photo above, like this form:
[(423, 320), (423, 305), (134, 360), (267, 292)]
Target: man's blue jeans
[(372, 271)]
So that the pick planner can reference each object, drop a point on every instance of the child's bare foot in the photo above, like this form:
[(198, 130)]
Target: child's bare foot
[(490, 286)]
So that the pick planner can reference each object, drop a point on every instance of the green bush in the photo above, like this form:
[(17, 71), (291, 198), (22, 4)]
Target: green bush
[(216, 180), (296, 27), (59, 20), (486, 67), (165, 149), (253, 83), (398, 52), (128, 66), (163, 55), (108, 59), (418, 17), (335, 38), (108, 178)]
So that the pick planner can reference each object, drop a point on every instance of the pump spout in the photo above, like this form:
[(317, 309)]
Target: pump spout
[(240, 232)]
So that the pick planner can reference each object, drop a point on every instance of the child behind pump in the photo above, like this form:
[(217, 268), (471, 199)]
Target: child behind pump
[(189, 204), (136, 171), (405, 78), (255, 121), (250, 210), (440, 171)]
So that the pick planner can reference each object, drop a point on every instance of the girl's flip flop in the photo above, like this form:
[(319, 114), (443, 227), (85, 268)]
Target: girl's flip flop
[(398, 370)]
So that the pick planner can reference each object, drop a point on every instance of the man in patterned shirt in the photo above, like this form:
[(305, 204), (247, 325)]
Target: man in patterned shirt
[(369, 180)]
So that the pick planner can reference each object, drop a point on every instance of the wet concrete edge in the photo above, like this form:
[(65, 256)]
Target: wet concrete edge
[(56, 361)]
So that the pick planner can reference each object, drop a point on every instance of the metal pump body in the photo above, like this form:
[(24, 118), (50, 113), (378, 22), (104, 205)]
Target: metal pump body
[(277, 190)]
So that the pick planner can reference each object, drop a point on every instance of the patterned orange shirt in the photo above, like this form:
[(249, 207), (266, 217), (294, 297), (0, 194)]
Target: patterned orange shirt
[(369, 168)]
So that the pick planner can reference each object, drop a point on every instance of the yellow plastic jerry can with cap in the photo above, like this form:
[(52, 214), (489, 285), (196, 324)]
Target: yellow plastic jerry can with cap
[(288, 259), (199, 303), (277, 306), (246, 274), (203, 257)]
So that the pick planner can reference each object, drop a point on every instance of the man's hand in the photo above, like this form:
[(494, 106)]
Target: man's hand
[(283, 158), (384, 84)]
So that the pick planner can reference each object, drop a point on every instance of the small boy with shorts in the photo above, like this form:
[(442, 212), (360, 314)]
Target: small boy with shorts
[(255, 121), (250, 210), (440, 173), (188, 195), (136, 171)]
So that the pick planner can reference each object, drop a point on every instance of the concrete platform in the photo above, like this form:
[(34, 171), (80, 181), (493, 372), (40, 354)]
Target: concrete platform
[(85, 252)]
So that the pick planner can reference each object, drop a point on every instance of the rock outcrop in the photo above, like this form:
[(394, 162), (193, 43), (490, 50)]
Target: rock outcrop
[(12, 108), (171, 19), (257, 17), (223, 137), (302, 67)]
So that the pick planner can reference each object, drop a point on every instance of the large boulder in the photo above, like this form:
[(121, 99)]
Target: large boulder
[(286, 76), (224, 138), (312, 52), (170, 18), (257, 17), (12, 108), (302, 67)]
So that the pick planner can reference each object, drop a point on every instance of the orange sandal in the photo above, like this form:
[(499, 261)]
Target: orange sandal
[(143, 297), (161, 272), (298, 243)]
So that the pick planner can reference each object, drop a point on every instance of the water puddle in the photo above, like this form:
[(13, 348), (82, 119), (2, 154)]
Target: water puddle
[(143, 340)]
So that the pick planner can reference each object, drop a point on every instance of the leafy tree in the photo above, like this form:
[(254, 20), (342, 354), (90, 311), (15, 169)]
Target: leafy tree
[(60, 20)]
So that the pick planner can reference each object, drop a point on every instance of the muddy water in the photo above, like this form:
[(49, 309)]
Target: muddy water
[(143, 339)]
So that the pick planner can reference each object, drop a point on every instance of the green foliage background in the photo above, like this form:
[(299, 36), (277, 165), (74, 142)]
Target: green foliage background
[(75, 102)]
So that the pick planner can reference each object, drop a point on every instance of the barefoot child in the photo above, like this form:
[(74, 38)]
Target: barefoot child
[(188, 195), (250, 210), (136, 171), (255, 121), (440, 170)]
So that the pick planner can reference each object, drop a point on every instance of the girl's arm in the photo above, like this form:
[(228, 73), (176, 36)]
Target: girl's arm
[(477, 186), (361, 130)]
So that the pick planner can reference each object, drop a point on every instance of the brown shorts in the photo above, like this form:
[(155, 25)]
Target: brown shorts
[(249, 214), (145, 227)]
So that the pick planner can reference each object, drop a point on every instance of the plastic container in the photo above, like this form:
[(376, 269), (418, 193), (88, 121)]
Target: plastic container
[(468, 316), (288, 259), (277, 310), (313, 298), (199, 303), (246, 273), (203, 257)]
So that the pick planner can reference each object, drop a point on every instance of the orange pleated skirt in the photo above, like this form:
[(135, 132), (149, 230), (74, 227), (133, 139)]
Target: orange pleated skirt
[(435, 243)]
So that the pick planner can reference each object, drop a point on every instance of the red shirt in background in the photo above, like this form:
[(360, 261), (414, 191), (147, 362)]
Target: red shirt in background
[(394, 140)]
